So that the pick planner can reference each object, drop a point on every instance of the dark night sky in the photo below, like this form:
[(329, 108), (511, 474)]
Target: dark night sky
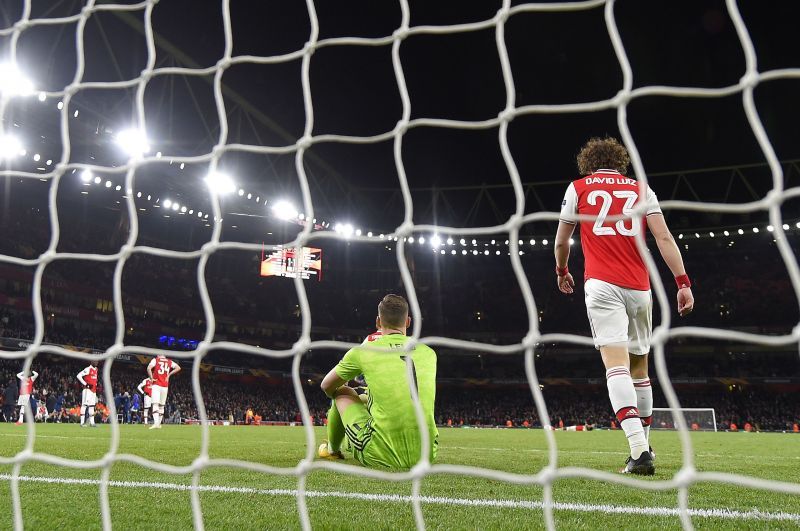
[(555, 58)]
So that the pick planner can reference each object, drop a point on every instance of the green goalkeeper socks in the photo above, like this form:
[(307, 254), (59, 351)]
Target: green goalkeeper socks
[(335, 428)]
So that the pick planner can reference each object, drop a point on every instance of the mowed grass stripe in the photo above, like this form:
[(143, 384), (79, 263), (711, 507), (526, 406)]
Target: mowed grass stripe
[(439, 500)]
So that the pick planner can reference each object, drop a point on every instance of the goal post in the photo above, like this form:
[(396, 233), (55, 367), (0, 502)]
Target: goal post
[(697, 418)]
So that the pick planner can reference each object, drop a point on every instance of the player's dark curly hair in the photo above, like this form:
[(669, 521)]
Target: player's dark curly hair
[(603, 153), (393, 311)]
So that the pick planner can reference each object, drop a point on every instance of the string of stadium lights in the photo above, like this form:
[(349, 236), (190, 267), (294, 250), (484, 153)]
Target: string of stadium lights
[(136, 144)]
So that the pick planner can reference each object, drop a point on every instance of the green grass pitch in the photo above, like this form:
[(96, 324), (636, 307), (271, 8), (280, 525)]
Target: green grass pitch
[(51, 501)]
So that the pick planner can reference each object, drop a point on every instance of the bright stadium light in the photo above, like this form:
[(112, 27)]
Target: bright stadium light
[(411, 239), (358, 232), (421, 240), (770, 228), (755, 230), (711, 234), (497, 253), (785, 226), (108, 184), (220, 183), (86, 176), (347, 230), (13, 82), (175, 206), (571, 241), (726, 233), (97, 180), (167, 203), (134, 142), (285, 210), (464, 252), (449, 241), (241, 192), (533, 242), (118, 188), (42, 96), (36, 157), (740, 231), (183, 209), (10, 147), (544, 242), (436, 241)]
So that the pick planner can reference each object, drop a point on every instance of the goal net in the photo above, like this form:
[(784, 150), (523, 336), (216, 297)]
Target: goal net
[(696, 418), (14, 89)]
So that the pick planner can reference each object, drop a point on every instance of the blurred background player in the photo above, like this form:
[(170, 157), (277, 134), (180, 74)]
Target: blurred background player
[(134, 410), (88, 379), (160, 369), (384, 432), (146, 388), (25, 392), (617, 284)]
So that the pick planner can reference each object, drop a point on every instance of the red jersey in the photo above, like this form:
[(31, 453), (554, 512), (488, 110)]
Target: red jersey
[(147, 386), (26, 386), (89, 376), (609, 247), (161, 366)]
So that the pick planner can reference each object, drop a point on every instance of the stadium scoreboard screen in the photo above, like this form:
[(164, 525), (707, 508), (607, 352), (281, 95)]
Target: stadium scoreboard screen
[(286, 262)]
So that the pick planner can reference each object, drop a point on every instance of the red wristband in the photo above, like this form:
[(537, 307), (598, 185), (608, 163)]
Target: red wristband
[(683, 281), (562, 271)]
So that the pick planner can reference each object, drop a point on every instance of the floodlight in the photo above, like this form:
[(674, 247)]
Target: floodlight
[(86, 176), (36, 157), (108, 184), (544, 242), (726, 233), (464, 252), (42, 96), (358, 232), (118, 188), (97, 180), (436, 241), (175, 206), (369, 234), (220, 183), (411, 239), (347, 229), (183, 209), (571, 241), (13, 82), (421, 240), (770, 228), (755, 229), (449, 241), (285, 210), (740, 231), (241, 192), (533, 242), (134, 142), (10, 147), (167, 203), (785, 226), (199, 214), (60, 105)]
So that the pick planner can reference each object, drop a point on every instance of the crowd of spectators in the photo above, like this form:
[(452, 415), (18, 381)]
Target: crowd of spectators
[(228, 398)]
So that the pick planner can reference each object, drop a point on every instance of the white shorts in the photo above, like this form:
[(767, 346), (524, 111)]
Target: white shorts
[(88, 398), (619, 316), (159, 394), (148, 402), (23, 399)]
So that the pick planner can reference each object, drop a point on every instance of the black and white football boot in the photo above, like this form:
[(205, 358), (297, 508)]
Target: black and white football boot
[(642, 467)]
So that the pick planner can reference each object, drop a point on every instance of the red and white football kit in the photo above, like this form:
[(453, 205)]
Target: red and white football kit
[(146, 388), (26, 387), (617, 284), (161, 366), (88, 378)]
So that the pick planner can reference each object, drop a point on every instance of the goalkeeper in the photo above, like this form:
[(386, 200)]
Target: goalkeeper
[(384, 431)]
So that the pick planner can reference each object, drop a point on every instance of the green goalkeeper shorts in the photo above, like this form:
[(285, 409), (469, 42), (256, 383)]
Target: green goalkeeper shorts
[(368, 447)]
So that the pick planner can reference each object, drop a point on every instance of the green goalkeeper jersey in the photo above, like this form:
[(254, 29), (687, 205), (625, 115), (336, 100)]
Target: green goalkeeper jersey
[(390, 404)]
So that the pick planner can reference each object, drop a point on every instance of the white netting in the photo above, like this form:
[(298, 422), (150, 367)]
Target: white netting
[(686, 476)]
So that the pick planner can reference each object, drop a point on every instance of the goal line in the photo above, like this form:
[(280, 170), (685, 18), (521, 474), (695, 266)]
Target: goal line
[(715, 512)]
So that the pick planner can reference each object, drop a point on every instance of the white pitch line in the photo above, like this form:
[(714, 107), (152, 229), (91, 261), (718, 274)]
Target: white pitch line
[(723, 513)]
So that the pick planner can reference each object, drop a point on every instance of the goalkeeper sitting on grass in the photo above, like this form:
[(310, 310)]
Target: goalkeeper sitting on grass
[(384, 431)]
